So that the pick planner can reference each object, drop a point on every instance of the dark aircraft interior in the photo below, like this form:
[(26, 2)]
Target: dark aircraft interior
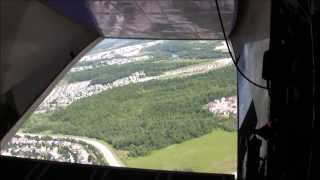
[(274, 45)]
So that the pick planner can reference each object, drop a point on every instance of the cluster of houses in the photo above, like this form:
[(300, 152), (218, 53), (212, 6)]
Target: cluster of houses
[(126, 51), (64, 95), (224, 107), (108, 62), (48, 148)]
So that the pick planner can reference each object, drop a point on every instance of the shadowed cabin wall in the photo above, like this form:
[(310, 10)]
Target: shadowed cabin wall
[(37, 43)]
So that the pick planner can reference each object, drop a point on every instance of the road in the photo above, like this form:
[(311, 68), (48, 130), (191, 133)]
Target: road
[(104, 150)]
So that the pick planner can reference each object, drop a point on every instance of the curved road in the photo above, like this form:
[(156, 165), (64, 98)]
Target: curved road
[(104, 150)]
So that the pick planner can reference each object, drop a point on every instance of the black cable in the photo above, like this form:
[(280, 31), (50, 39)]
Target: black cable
[(233, 59)]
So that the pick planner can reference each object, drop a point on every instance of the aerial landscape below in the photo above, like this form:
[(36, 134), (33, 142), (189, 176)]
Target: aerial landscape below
[(154, 104)]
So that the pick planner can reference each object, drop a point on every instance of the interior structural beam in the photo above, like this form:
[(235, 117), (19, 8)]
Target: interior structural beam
[(37, 169)]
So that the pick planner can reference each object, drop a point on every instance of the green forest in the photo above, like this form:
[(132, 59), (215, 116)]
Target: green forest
[(139, 118)]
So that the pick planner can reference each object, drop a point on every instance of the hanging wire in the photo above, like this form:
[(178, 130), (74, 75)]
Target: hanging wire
[(235, 62)]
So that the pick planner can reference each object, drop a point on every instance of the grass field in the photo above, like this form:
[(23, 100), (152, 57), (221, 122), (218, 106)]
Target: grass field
[(214, 153)]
